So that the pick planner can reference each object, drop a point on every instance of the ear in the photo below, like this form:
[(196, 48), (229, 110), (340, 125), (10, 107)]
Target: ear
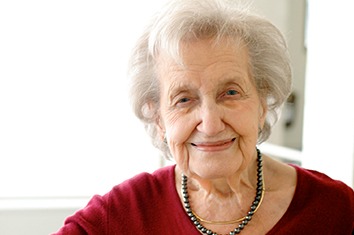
[(159, 124), (263, 112), (160, 128)]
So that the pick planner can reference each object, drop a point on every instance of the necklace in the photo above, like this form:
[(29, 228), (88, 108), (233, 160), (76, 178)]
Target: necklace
[(244, 220)]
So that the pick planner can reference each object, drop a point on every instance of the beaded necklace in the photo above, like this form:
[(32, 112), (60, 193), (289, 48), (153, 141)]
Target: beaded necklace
[(244, 220)]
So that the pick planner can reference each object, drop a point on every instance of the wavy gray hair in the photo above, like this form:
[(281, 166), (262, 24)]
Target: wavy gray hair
[(182, 20)]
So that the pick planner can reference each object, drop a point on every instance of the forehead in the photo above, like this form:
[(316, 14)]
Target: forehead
[(228, 58), (183, 53)]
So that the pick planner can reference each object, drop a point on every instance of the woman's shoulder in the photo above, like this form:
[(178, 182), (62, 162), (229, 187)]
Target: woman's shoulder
[(134, 201), (316, 192), (162, 177), (318, 198), (147, 199), (315, 181), (144, 187)]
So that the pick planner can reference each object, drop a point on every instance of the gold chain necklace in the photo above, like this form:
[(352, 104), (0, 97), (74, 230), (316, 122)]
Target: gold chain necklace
[(232, 221)]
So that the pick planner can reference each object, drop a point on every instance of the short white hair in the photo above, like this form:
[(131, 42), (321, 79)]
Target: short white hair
[(183, 20)]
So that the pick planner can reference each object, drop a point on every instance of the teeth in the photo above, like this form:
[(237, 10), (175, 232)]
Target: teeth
[(218, 144)]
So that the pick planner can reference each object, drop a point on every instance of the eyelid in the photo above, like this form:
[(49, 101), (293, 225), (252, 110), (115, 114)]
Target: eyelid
[(177, 100), (232, 90), (224, 94)]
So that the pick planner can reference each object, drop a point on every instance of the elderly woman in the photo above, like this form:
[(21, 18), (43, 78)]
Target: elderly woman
[(207, 81)]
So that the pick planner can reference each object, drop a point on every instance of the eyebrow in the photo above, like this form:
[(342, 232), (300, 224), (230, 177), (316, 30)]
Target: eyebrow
[(239, 80), (178, 87)]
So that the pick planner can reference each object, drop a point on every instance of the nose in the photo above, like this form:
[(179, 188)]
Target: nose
[(211, 121)]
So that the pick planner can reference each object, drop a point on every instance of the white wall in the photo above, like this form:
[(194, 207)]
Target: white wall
[(65, 116), (289, 16), (329, 105), (32, 222), (66, 127)]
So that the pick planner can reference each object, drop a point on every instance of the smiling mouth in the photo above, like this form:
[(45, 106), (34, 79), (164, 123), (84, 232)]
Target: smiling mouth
[(214, 146)]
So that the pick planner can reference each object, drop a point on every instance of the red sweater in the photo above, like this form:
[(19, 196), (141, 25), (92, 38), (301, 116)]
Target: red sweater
[(149, 204)]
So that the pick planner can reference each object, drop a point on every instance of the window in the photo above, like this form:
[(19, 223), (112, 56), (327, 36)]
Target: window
[(66, 127)]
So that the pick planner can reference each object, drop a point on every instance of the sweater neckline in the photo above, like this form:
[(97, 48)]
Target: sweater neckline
[(283, 219)]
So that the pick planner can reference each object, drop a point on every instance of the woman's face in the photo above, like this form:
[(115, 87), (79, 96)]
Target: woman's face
[(210, 110)]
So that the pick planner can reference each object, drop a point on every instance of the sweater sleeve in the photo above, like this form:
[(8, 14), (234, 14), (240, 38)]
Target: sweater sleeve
[(90, 220), (320, 206)]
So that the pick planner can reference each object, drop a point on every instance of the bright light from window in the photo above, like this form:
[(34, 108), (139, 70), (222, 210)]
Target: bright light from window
[(66, 127)]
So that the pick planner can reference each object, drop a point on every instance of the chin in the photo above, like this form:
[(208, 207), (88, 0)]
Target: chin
[(214, 171)]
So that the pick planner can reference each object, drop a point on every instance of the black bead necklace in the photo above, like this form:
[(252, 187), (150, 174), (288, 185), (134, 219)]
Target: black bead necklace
[(244, 221)]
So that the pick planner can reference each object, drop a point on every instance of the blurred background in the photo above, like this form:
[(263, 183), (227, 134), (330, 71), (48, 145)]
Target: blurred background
[(66, 128)]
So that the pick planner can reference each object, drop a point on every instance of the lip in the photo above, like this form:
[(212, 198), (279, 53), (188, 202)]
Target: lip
[(215, 146)]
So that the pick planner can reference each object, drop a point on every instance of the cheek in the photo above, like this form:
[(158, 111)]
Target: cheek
[(179, 127), (243, 119)]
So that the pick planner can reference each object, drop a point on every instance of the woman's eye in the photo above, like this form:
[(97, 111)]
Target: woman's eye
[(184, 100), (232, 92)]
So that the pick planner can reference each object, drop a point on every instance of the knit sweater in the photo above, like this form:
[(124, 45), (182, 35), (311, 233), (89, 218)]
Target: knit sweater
[(149, 204)]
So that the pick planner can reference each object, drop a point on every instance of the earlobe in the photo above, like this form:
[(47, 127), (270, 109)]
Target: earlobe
[(259, 129), (160, 132), (160, 128), (263, 113)]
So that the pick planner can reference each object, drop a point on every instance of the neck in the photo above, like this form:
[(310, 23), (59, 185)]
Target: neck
[(222, 204), (243, 179)]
